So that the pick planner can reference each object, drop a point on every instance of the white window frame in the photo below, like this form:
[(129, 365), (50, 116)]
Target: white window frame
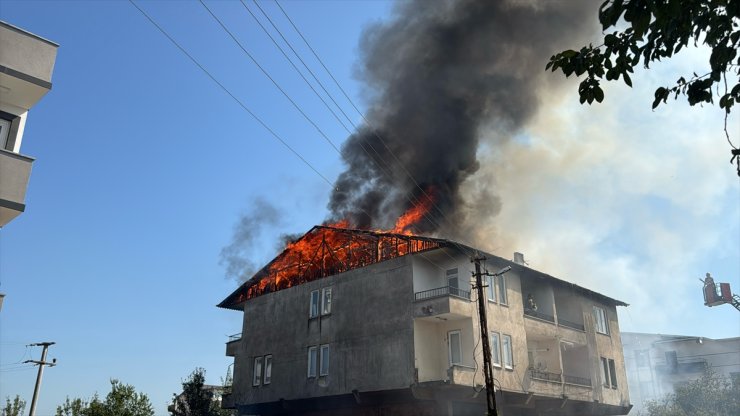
[(257, 372), (326, 300), (508, 352), (313, 358), (453, 274), (324, 360), (496, 349), (5, 126), (491, 281), (601, 322), (459, 346), (268, 369), (313, 307), (502, 295)]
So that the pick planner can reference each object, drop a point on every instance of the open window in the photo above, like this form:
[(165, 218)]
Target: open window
[(454, 347)]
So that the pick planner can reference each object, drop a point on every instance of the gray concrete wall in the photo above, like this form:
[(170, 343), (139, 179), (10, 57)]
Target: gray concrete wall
[(369, 331), (26, 53)]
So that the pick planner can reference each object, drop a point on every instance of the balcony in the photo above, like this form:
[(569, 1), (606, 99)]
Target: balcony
[(15, 171), (233, 344), (544, 375), (539, 315), (570, 324), (579, 381), (440, 292)]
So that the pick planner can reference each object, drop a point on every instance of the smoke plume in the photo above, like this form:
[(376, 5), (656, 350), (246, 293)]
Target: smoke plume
[(238, 257), (439, 73)]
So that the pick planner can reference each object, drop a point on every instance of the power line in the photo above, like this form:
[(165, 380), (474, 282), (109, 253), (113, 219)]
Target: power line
[(226, 90)]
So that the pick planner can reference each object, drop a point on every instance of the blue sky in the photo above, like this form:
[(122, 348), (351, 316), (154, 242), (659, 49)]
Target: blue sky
[(144, 166)]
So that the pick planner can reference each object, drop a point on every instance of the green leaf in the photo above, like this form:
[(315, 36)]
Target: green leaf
[(627, 79), (570, 53), (598, 94)]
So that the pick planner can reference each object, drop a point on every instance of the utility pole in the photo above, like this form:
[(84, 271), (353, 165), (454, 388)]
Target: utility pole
[(487, 365), (41, 365)]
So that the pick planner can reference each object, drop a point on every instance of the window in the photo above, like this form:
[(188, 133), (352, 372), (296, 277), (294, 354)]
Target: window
[(314, 309), (491, 288), (641, 358), (600, 321), (324, 360), (452, 278), (496, 349), (257, 371), (613, 373), (268, 369), (4, 130), (312, 361), (326, 301), (502, 289), (604, 372), (453, 340), (508, 353)]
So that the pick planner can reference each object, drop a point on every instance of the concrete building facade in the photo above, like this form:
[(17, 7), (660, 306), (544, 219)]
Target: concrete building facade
[(26, 65), (657, 363), (400, 336)]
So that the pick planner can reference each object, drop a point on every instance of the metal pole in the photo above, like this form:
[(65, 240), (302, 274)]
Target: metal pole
[(41, 365), (487, 366)]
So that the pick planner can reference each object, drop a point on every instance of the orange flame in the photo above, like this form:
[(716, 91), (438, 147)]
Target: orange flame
[(335, 248)]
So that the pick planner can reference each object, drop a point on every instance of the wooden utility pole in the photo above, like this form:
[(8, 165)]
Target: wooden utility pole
[(487, 366), (41, 365)]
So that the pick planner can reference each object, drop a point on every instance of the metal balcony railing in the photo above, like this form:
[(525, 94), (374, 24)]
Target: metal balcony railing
[(545, 375), (442, 291), (235, 337), (539, 315), (581, 381), (570, 324)]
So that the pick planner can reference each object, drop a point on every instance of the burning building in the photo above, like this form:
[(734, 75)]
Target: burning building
[(348, 321)]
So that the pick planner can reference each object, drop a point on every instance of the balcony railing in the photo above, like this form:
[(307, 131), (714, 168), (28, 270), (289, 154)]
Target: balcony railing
[(570, 324), (581, 381), (235, 337), (545, 375), (442, 291), (539, 315)]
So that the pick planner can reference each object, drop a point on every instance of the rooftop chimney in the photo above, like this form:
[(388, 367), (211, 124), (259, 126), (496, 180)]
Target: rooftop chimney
[(519, 258)]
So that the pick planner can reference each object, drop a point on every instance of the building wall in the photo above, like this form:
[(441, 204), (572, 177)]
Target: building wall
[(369, 331)]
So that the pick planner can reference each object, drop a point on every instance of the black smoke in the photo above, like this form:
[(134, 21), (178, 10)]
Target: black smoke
[(439, 73)]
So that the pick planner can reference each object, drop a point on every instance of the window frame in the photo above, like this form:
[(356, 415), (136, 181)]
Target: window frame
[(314, 307), (503, 299), (267, 372), (312, 369), (5, 127), (326, 304), (496, 350), (491, 290), (508, 354), (605, 378), (453, 273), (601, 320), (459, 346), (324, 360), (257, 371), (613, 373)]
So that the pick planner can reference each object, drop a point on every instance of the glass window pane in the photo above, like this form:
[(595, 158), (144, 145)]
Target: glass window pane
[(326, 301), (508, 356), (496, 349), (324, 360), (491, 289), (455, 349), (257, 371), (314, 310), (604, 372), (312, 356), (268, 369), (613, 373), (502, 290)]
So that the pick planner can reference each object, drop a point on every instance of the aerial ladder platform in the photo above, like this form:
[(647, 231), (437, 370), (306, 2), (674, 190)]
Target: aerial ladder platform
[(716, 294)]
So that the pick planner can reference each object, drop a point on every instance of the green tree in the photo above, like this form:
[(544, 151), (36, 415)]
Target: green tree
[(656, 30), (196, 399), (710, 395), (14, 407), (123, 400)]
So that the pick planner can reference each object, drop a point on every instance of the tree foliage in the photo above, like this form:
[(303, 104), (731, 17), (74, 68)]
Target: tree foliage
[(710, 395), (123, 400), (14, 407), (196, 399)]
